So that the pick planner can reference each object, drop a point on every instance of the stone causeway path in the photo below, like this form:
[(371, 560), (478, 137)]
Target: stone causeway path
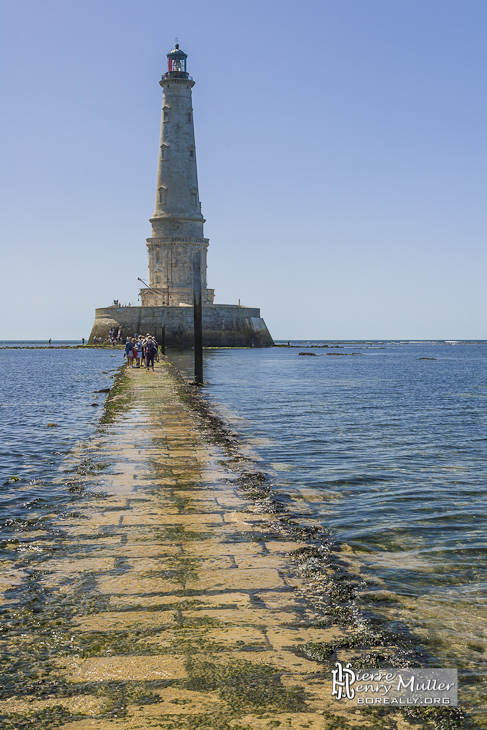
[(165, 605)]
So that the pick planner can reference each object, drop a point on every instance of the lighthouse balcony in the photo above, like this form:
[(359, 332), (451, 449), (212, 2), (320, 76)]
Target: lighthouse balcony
[(176, 75), (175, 296)]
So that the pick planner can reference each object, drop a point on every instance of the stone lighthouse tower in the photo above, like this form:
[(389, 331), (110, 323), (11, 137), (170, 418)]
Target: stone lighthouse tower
[(177, 222), (166, 309)]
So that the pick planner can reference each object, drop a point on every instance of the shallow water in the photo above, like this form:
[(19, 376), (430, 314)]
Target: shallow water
[(37, 388), (7, 344), (388, 447)]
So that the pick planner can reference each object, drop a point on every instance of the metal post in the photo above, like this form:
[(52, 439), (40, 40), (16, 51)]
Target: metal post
[(163, 332), (198, 319)]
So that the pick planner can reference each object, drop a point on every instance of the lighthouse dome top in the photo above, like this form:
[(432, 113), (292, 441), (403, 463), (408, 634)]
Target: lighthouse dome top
[(177, 52), (176, 64)]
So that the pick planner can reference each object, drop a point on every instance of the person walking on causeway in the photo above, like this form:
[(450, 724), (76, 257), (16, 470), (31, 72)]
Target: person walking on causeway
[(138, 353), (129, 352), (150, 353)]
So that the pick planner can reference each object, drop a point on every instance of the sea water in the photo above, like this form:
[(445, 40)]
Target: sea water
[(48, 406)]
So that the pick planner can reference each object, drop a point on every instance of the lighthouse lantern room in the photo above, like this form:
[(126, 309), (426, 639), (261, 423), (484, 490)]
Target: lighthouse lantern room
[(176, 66)]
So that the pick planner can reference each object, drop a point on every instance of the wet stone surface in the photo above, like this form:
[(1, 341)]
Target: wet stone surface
[(180, 594)]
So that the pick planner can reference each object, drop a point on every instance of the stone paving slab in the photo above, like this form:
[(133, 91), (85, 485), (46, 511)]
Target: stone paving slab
[(124, 668)]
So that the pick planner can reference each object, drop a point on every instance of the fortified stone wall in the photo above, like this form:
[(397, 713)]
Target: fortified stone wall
[(224, 325)]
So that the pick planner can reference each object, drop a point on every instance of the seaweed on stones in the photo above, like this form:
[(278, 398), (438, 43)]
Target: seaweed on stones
[(244, 684), (433, 718), (251, 478), (255, 493), (266, 505), (293, 530), (48, 719)]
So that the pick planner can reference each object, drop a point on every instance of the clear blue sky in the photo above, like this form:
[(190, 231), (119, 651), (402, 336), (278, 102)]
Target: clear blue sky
[(341, 157)]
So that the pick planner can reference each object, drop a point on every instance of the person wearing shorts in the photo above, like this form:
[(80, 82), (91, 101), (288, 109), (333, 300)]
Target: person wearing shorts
[(129, 352), (139, 353)]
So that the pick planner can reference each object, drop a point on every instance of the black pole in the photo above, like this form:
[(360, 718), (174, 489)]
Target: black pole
[(198, 319), (163, 332)]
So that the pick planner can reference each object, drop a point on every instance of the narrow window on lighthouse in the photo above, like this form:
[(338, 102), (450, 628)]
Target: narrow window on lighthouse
[(162, 196), (190, 117), (166, 113), (158, 258), (163, 151), (191, 153), (158, 279), (194, 197)]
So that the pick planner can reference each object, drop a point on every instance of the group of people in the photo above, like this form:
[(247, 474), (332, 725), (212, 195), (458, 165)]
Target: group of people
[(115, 335), (141, 351)]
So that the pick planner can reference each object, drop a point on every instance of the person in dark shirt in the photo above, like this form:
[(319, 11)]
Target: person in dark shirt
[(150, 353)]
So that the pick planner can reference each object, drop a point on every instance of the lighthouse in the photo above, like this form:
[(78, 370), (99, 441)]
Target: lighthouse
[(177, 222)]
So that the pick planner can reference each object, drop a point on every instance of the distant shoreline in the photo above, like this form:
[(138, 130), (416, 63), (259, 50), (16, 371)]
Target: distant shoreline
[(61, 347)]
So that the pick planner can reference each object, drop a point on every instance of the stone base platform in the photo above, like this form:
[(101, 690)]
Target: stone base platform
[(224, 325)]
